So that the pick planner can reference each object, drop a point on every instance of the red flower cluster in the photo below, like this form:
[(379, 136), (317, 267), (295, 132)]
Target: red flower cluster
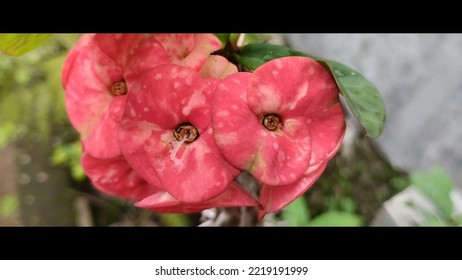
[(167, 124)]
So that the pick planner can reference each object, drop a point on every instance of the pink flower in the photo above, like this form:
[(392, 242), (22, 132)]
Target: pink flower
[(166, 131), (96, 77), (281, 124), (189, 50)]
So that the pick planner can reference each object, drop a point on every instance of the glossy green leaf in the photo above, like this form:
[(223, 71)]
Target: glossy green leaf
[(19, 44), (362, 96), (263, 53), (296, 213), (336, 218), (436, 185)]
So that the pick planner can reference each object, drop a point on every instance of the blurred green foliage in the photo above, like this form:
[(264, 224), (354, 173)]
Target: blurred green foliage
[(436, 185), (8, 205), (32, 98), (297, 214), (69, 154), (174, 220)]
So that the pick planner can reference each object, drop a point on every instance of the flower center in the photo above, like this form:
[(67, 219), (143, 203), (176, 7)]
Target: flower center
[(271, 121), (186, 132), (119, 88)]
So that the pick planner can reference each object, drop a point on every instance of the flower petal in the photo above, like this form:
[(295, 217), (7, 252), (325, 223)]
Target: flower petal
[(218, 67), (135, 140), (291, 86), (149, 54), (274, 198), (102, 141), (119, 47), (327, 129), (116, 177), (189, 50), (73, 54), (234, 196), (87, 86)]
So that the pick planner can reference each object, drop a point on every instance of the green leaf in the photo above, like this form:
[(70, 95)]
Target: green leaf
[(264, 53), (19, 44), (296, 213), (436, 185), (174, 220), (8, 205), (336, 218), (458, 219), (253, 38), (434, 221), (362, 96), (223, 37), (233, 38), (347, 204)]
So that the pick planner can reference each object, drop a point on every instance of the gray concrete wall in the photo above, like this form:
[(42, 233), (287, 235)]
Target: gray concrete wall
[(420, 78)]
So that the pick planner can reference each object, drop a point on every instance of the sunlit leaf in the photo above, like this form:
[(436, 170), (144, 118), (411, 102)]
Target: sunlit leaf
[(19, 44)]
